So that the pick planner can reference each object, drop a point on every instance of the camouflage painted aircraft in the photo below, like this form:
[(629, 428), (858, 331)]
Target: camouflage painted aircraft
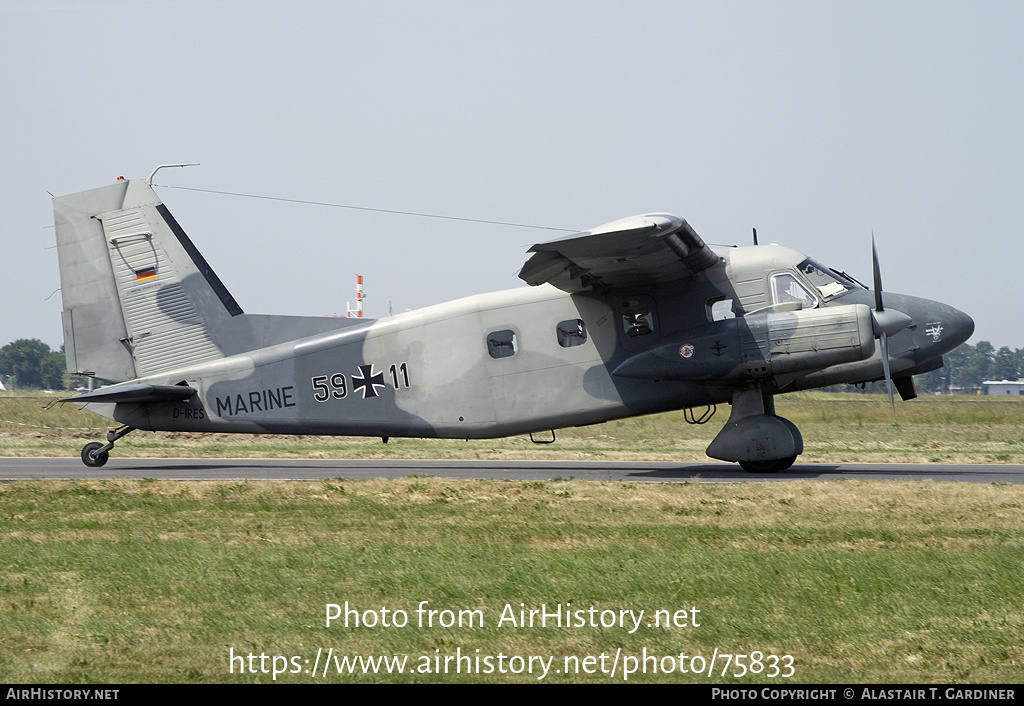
[(634, 317)]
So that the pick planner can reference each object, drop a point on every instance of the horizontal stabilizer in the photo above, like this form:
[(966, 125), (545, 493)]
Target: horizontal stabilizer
[(135, 393)]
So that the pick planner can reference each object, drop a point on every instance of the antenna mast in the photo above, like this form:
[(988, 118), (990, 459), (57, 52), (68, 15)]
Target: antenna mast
[(358, 311)]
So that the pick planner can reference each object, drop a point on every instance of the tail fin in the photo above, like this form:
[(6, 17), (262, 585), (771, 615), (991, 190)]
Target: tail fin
[(138, 297)]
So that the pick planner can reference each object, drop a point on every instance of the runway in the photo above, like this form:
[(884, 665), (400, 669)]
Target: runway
[(12, 469)]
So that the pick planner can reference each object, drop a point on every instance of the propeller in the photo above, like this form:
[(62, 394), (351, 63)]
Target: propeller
[(885, 322)]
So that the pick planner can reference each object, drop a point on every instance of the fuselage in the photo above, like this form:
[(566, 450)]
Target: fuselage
[(538, 358), (633, 317)]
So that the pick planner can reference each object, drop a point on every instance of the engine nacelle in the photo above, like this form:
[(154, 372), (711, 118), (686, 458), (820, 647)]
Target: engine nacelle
[(764, 343)]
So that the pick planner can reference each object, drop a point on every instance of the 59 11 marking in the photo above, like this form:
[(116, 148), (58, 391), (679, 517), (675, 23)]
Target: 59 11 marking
[(337, 385)]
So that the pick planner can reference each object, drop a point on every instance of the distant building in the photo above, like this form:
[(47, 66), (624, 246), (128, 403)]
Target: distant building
[(1004, 387)]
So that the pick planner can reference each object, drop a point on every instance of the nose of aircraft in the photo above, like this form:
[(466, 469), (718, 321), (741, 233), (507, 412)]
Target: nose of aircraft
[(937, 328), (947, 327), (961, 325)]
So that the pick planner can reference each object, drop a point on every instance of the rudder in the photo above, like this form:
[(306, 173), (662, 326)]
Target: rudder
[(138, 297)]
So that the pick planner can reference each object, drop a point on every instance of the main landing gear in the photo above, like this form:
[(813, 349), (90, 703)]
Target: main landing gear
[(95, 454), (767, 466), (755, 437)]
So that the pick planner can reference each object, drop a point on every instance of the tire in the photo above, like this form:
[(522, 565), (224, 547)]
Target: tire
[(91, 458), (767, 466)]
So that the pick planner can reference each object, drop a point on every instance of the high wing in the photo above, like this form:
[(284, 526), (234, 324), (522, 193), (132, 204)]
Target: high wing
[(650, 248)]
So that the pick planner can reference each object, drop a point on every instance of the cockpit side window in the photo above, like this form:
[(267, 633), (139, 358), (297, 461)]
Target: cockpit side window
[(787, 288)]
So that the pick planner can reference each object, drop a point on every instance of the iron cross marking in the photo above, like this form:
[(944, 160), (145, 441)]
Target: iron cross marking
[(367, 381)]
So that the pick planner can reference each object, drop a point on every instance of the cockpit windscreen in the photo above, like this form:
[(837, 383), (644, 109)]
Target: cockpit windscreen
[(828, 282)]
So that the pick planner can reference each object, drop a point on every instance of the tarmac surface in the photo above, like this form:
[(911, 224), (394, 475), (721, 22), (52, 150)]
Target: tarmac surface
[(310, 469)]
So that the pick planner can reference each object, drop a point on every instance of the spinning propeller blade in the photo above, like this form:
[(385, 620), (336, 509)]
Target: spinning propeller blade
[(886, 323), (876, 272), (883, 338)]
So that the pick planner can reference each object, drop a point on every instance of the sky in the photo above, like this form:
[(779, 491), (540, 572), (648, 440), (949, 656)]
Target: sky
[(817, 123)]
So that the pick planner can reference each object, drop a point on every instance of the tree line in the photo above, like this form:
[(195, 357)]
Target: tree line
[(968, 367), (30, 364)]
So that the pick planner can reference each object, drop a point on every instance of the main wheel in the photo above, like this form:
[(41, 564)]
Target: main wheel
[(91, 458), (767, 466)]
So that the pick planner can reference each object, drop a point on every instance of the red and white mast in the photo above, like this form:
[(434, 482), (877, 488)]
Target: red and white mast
[(358, 311)]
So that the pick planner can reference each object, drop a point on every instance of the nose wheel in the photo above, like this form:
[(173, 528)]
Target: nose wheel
[(95, 454)]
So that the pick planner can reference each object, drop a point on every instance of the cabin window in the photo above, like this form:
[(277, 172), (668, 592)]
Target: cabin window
[(720, 308), (571, 333), (502, 344), (637, 322), (786, 288)]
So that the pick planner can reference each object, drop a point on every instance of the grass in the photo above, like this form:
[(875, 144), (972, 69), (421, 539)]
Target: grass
[(837, 428), (154, 581), (150, 581)]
